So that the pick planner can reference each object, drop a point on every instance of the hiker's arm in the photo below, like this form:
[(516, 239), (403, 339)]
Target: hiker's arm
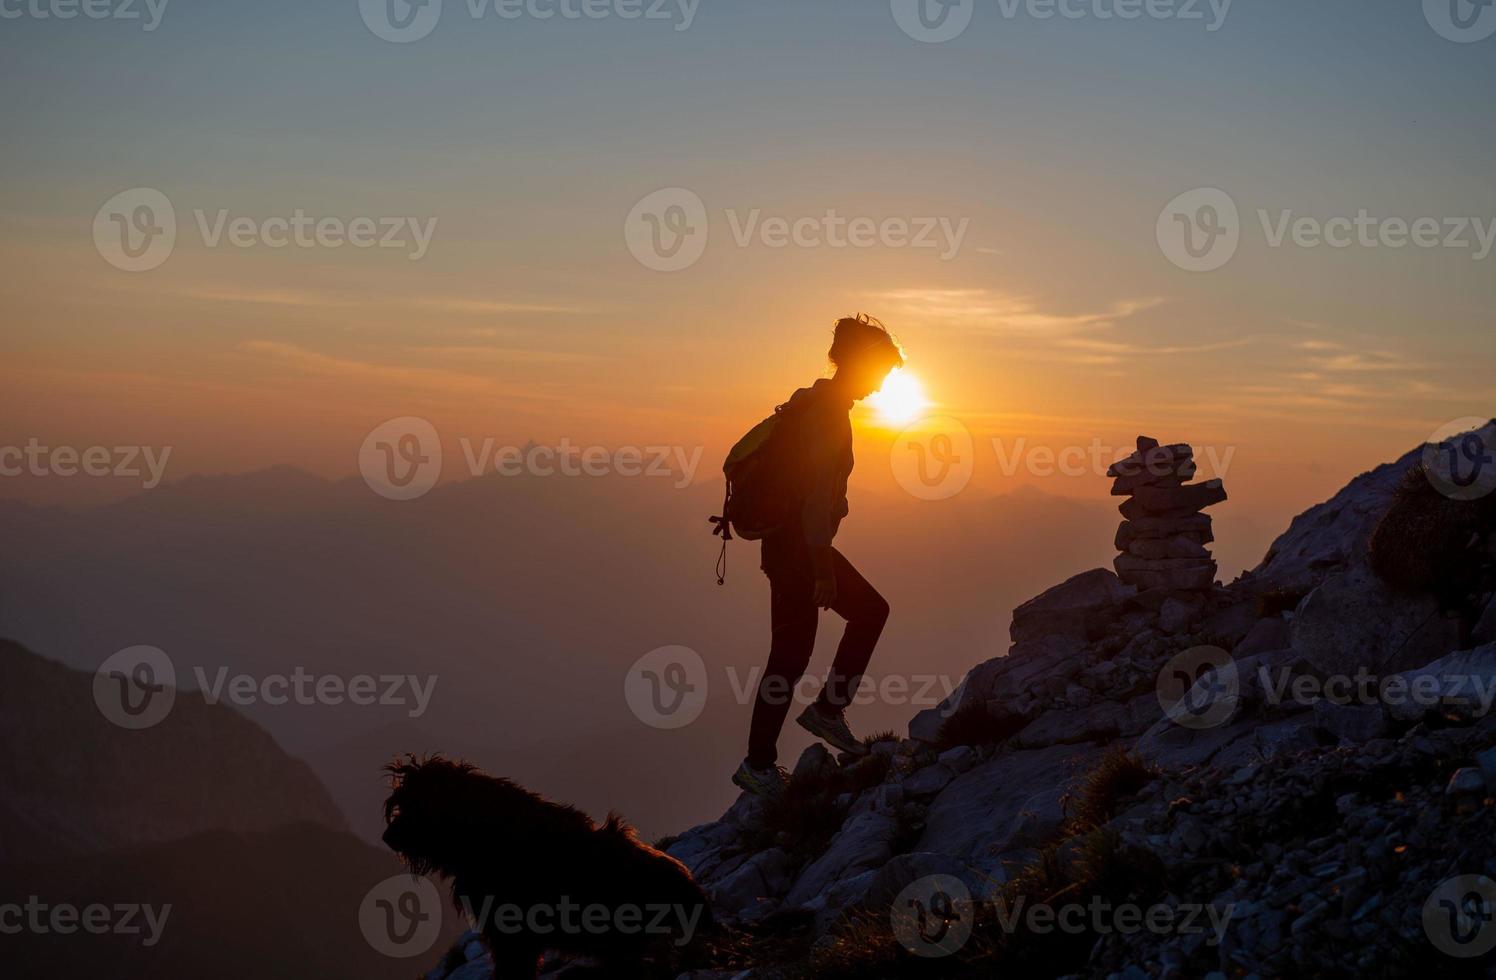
[(815, 515)]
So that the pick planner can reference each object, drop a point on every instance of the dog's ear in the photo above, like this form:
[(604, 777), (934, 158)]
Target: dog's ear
[(400, 768)]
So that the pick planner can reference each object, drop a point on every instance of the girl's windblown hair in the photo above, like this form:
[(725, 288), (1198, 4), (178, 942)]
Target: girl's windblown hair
[(863, 338)]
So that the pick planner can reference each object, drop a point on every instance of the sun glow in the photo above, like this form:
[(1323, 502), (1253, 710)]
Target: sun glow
[(901, 399)]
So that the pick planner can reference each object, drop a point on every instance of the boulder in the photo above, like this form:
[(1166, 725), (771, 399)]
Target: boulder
[(753, 890), (959, 759), (929, 780), (905, 869), (815, 762), (1331, 536), (864, 843), (977, 815), (1176, 613), (1354, 621), (1461, 685), (1067, 726), (1079, 607), (1466, 780), (1269, 633), (1487, 762)]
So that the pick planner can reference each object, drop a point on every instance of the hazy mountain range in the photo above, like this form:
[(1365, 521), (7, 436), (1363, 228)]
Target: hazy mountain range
[(525, 600)]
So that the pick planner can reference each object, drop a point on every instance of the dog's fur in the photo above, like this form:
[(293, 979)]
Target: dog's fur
[(501, 845)]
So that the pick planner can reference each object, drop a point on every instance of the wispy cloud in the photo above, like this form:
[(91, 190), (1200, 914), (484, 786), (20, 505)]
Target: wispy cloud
[(1088, 337), (397, 376)]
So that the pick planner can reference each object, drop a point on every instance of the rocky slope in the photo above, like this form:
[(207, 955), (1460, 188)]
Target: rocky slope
[(1163, 748)]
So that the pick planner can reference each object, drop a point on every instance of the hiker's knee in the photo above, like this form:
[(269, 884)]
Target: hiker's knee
[(877, 611)]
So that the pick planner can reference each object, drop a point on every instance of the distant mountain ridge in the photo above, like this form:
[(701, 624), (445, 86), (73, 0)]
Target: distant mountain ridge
[(72, 783)]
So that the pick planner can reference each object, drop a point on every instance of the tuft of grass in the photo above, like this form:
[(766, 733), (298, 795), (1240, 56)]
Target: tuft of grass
[(973, 724), (883, 736), (1118, 775)]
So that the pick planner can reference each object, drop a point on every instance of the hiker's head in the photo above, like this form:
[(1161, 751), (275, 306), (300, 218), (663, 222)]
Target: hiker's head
[(863, 352)]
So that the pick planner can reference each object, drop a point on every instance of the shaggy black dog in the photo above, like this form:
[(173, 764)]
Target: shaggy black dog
[(534, 875)]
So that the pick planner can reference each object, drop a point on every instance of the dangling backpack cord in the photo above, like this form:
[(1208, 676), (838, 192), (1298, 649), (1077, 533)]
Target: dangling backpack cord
[(724, 528)]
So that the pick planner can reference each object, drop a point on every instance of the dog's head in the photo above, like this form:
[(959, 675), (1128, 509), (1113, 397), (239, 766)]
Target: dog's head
[(428, 801)]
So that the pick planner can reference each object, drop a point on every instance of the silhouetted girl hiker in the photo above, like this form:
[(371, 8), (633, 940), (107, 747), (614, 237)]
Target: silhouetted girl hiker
[(806, 574)]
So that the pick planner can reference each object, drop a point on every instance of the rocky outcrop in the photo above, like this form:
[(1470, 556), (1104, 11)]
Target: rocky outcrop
[(1270, 769)]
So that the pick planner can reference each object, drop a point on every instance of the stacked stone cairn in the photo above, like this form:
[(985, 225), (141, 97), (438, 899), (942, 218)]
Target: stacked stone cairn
[(1164, 535)]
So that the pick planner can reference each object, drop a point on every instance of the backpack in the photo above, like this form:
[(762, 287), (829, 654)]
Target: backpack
[(764, 480)]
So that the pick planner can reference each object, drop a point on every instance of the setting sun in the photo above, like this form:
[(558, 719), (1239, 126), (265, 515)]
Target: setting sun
[(901, 398)]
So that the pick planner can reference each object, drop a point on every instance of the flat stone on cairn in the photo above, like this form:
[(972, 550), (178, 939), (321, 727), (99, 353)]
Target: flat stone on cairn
[(1164, 536)]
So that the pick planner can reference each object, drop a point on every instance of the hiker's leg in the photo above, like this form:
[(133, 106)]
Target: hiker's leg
[(792, 615), (865, 612)]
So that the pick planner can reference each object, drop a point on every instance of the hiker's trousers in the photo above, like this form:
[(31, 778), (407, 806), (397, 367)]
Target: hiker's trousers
[(793, 617)]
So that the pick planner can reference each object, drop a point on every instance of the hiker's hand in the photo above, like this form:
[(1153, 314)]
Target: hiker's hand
[(825, 593)]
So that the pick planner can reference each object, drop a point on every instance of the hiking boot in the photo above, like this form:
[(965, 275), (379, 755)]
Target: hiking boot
[(831, 728), (766, 783)]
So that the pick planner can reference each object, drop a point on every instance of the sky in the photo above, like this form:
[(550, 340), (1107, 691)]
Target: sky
[(1049, 163)]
